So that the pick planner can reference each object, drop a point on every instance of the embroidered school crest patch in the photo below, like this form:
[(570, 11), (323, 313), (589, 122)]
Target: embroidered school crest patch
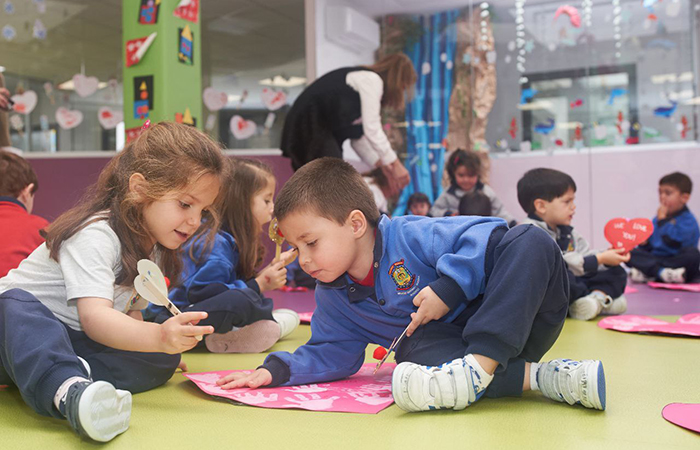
[(403, 278)]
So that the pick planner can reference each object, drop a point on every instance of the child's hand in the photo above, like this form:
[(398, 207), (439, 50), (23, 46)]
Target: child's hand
[(430, 307), (613, 257), (662, 212), (261, 377), (272, 277), (178, 333)]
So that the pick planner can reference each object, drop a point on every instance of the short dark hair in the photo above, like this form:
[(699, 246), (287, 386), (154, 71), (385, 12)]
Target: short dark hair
[(475, 204), (15, 175), (679, 181), (545, 184), (329, 187), (415, 198), (465, 158)]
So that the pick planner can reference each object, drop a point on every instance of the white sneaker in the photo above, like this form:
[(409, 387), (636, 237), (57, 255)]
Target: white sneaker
[(638, 276), (287, 319), (573, 382), (87, 367), (98, 410), (455, 385), (618, 306), (669, 275), (589, 307), (254, 338)]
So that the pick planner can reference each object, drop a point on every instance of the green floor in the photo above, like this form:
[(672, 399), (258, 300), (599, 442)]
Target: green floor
[(644, 373)]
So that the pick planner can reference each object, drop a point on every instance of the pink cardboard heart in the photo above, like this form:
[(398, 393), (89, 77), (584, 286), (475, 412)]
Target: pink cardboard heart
[(85, 86), (25, 103), (214, 100), (627, 234), (686, 415), (67, 118), (272, 99), (109, 118), (241, 128), (688, 325)]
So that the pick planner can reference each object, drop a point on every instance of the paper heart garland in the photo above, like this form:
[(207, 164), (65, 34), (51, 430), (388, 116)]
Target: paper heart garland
[(109, 118), (273, 100), (85, 86), (67, 118), (627, 234), (241, 128), (25, 103), (214, 100)]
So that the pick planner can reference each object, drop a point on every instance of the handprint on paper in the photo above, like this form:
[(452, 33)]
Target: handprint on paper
[(314, 401), (306, 389), (256, 399), (370, 398)]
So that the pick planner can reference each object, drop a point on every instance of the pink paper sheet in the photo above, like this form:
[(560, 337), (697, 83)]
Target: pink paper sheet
[(690, 287), (688, 325), (686, 415), (305, 317), (362, 393), (630, 290)]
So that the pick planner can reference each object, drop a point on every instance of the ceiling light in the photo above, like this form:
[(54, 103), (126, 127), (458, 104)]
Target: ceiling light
[(281, 82), (69, 86)]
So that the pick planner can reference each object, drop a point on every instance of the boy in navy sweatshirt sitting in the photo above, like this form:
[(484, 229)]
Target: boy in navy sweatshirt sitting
[(671, 253), (484, 303)]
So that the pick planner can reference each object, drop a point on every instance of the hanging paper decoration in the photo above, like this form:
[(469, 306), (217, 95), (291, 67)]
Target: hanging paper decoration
[(617, 92), (68, 119), (241, 128), (270, 120), (527, 94), (85, 86), (8, 32), (188, 10), (666, 111), (25, 103), (513, 127), (576, 103), (617, 19), (273, 100), (587, 12), (484, 31), (137, 48), (214, 100), (148, 12), (211, 121), (572, 12), (109, 118), (39, 31), (185, 52), (48, 90), (143, 96), (683, 127), (186, 118), (545, 128), (17, 124), (520, 39)]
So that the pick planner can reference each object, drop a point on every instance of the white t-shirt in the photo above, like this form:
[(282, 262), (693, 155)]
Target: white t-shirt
[(88, 265)]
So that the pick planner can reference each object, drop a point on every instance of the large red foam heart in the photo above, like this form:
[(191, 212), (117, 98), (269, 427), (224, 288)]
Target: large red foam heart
[(628, 234)]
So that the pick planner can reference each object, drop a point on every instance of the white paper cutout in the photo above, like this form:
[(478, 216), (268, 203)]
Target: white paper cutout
[(25, 103), (270, 120), (241, 128), (211, 121), (67, 118), (85, 86), (214, 100), (273, 100), (109, 118)]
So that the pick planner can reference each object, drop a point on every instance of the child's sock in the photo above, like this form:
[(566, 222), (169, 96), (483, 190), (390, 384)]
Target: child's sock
[(59, 400), (534, 367)]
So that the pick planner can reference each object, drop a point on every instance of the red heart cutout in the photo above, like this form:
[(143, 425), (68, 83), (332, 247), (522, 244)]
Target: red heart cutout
[(628, 234)]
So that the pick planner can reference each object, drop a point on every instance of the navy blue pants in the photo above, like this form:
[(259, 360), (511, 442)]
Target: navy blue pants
[(650, 264), (516, 320), (228, 309), (38, 353), (611, 281)]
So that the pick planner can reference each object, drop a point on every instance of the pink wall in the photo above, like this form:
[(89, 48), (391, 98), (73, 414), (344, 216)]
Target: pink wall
[(611, 182)]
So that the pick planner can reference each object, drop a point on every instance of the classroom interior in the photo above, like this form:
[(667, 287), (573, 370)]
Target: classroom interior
[(604, 90)]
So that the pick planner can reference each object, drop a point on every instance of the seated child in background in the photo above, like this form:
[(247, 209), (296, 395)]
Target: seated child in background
[(221, 280), (418, 204), (482, 303), (596, 280), (671, 253), (475, 204), (463, 168), (20, 229)]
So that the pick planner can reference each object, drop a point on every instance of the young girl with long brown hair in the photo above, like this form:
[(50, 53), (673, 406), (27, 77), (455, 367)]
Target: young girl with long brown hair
[(222, 280), (71, 333)]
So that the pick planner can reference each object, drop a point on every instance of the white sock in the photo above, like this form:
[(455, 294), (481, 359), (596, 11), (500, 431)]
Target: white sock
[(63, 390), (534, 367), (484, 376)]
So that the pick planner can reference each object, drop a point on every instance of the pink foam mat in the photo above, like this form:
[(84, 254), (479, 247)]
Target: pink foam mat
[(686, 415), (362, 393), (305, 317), (688, 325), (690, 287)]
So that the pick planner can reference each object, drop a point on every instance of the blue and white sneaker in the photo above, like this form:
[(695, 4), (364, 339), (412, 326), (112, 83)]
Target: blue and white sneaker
[(573, 382), (454, 385), (97, 410)]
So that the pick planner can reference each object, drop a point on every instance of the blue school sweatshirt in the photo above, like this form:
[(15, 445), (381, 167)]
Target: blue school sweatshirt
[(677, 231), (411, 252)]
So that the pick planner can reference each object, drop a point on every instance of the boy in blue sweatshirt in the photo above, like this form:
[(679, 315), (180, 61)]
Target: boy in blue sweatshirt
[(671, 253), (482, 303)]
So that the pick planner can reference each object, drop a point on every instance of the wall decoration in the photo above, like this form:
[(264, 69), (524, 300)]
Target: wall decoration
[(132, 133), (17, 124), (576, 103), (270, 120), (25, 103), (241, 128), (617, 35), (148, 12), (572, 12), (109, 118), (143, 96), (137, 48), (188, 10), (85, 86), (211, 121), (186, 118), (527, 94), (666, 111), (513, 127), (185, 46), (273, 100), (68, 119), (520, 39), (683, 127), (545, 128), (48, 90), (617, 92), (214, 100)]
